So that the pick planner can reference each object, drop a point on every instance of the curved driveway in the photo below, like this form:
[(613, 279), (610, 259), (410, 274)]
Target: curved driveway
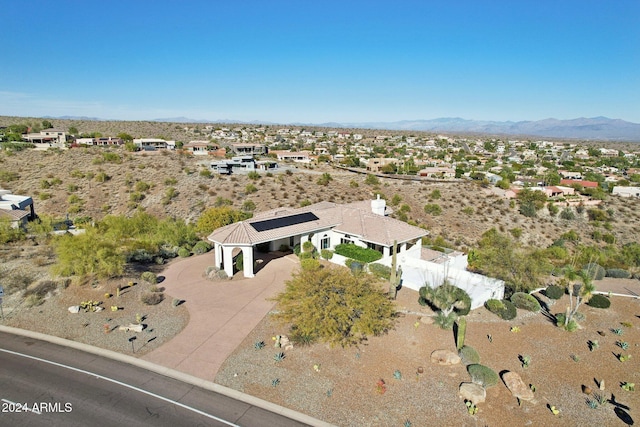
[(222, 313)]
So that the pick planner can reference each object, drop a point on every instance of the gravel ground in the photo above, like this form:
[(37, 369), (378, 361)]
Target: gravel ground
[(162, 322)]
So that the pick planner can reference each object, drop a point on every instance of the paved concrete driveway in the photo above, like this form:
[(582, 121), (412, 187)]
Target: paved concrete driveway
[(222, 313)]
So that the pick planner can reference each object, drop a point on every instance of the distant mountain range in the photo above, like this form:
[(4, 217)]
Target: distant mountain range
[(596, 128)]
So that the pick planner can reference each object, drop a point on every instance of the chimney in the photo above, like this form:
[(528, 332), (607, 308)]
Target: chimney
[(378, 206)]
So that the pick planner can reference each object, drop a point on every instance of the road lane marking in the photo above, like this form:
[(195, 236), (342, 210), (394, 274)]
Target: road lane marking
[(22, 406), (157, 396)]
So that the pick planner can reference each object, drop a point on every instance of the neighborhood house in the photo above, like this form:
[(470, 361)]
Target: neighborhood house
[(364, 224)]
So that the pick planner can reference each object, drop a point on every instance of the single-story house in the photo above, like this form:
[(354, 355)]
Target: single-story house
[(437, 172), (626, 191), (204, 148), (152, 144), (324, 224), (246, 149), (18, 209), (292, 156), (584, 184)]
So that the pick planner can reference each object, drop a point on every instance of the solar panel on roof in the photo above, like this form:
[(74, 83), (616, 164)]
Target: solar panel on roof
[(285, 221)]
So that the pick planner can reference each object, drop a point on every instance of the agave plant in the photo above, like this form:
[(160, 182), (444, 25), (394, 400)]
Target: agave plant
[(279, 357), (259, 345)]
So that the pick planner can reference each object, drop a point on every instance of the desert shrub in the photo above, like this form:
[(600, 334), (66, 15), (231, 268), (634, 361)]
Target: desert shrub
[(308, 246), (483, 375), (305, 255), (149, 277), (326, 254), (494, 305), (599, 301), (152, 298), (297, 249), (618, 273), (358, 253), (503, 309), (525, 301), (469, 355), (554, 292), (201, 247), (184, 252), (309, 264), (432, 209), (380, 270), (595, 271), (334, 306), (571, 326), (528, 209), (567, 214)]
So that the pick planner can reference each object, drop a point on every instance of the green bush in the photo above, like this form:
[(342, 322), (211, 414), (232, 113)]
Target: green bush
[(554, 292), (358, 253), (149, 277), (326, 254), (599, 301), (595, 271), (381, 271), (432, 209), (184, 253), (525, 301), (618, 273), (483, 375), (503, 309), (305, 255), (152, 298), (308, 246), (469, 355), (201, 247), (296, 249), (309, 264)]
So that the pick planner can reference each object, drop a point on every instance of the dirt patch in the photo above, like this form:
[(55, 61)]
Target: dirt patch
[(339, 385)]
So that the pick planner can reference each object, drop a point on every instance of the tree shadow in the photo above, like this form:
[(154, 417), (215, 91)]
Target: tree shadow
[(617, 404)]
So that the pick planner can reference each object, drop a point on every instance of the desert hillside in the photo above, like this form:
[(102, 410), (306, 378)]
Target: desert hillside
[(94, 182)]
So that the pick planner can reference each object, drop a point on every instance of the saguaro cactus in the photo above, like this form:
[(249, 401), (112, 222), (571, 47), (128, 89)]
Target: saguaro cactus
[(462, 328)]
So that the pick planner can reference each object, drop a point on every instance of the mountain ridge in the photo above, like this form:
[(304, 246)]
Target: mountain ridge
[(593, 128)]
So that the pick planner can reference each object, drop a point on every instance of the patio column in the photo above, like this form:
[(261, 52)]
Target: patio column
[(227, 257), (217, 251), (247, 259)]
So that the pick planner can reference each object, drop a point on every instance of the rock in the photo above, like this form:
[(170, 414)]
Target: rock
[(131, 327), (98, 309), (517, 387), (74, 309), (286, 343), (601, 385), (472, 392), (445, 357), (427, 320)]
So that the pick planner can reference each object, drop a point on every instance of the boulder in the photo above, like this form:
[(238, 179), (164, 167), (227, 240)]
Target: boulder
[(131, 327), (472, 392), (74, 309), (445, 357), (517, 387)]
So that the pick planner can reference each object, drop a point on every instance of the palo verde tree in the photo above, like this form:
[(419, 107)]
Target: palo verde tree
[(335, 306), (217, 217), (498, 255)]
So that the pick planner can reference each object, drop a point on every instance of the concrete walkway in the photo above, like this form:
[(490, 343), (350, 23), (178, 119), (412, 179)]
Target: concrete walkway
[(222, 313)]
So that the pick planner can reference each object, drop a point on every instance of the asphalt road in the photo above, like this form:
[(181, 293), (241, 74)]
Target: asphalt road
[(43, 384)]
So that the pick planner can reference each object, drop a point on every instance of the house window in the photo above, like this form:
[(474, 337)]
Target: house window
[(292, 242), (324, 243)]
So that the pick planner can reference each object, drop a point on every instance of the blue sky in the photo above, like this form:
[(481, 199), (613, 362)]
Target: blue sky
[(320, 61)]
